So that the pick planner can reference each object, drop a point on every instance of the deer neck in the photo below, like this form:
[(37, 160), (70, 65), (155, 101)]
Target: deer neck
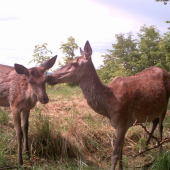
[(94, 91)]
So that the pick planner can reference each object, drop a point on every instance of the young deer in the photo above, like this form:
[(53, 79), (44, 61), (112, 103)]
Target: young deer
[(20, 88), (126, 100)]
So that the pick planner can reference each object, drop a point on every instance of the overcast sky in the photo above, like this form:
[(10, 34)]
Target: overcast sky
[(24, 24)]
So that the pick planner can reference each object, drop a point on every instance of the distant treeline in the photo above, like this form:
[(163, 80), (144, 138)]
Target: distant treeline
[(132, 55)]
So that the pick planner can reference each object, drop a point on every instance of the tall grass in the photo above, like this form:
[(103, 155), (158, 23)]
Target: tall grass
[(4, 117), (63, 90), (162, 162), (6, 140), (66, 134)]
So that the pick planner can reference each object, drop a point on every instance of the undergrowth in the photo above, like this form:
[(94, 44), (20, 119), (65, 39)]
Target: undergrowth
[(66, 134)]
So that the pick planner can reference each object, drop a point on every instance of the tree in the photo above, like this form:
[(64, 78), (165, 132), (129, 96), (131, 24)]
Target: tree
[(41, 54), (121, 60), (165, 1), (164, 47), (110, 70), (125, 52), (149, 48), (68, 49), (130, 56)]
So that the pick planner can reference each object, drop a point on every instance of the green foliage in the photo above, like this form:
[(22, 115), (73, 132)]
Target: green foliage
[(124, 51), (6, 141), (130, 56), (120, 61), (4, 118), (165, 1), (149, 48), (142, 143), (125, 162), (164, 47), (162, 162), (64, 90), (110, 69), (3, 147), (50, 142), (43, 127), (41, 54), (66, 134), (68, 49)]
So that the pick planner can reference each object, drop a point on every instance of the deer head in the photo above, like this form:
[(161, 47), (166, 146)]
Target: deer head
[(37, 78), (73, 71)]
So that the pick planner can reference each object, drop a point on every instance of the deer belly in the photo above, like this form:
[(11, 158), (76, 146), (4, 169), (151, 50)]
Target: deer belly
[(148, 112)]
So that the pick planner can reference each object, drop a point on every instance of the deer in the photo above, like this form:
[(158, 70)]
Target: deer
[(20, 89), (125, 101)]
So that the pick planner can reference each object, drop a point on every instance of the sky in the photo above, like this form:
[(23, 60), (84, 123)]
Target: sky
[(24, 24)]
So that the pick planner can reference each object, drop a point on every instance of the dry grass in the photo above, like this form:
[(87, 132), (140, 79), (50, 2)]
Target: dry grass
[(67, 134)]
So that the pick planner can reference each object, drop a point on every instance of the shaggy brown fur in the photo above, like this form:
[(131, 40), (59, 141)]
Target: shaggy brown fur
[(124, 101), (20, 88)]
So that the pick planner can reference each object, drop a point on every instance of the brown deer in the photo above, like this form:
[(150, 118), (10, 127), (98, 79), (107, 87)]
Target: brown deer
[(20, 89), (126, 100)]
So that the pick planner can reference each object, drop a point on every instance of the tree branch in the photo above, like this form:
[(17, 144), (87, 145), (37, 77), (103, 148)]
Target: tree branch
[(155, 146)]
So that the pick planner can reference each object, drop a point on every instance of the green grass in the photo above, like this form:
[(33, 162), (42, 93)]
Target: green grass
[(64, 90), (5, 138), (162, 162), (4, 118), (66, 134)]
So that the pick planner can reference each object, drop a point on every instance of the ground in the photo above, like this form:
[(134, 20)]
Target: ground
[(67, 134)]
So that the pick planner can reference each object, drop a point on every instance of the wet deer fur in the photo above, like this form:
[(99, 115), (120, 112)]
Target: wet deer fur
[(20, 89), (140, 97)]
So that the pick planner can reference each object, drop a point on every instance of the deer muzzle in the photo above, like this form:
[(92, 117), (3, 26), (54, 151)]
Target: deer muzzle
[(52, 80), (44, 100)]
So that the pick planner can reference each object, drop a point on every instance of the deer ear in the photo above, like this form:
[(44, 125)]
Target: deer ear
[(49, 63), (81, 52), (87, 50), (20, 69)]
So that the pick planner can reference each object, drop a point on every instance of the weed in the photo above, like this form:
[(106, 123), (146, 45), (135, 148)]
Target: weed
[(4, 118), (162, 162), (125, 162), (64, 90), (66, 134), (6, 148), (166, 122), (48, 142), (142, 143)]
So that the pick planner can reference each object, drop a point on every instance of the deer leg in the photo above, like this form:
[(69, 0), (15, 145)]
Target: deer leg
[(117, 153), (120, 159), (25, 116), (154, 124), (161, 127), (17, 123)]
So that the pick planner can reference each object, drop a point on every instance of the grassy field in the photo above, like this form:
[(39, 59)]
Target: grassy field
[(66, 134)]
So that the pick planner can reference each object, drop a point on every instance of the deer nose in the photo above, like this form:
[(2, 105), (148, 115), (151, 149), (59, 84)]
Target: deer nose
[(44, 100)]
